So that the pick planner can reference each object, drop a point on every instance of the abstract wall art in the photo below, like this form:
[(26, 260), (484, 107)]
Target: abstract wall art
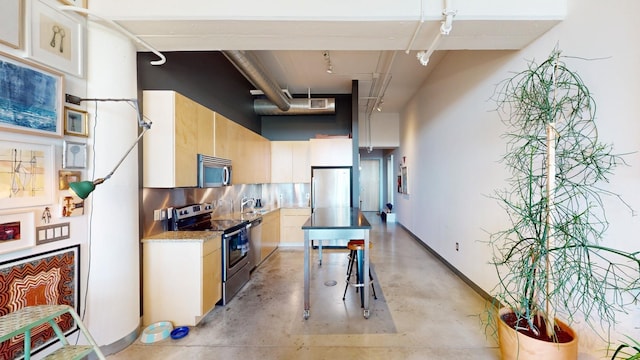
[(27, 175), (50, 278), (31, 98)]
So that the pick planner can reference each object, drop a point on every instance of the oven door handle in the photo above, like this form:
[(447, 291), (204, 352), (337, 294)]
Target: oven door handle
[(233, 233)]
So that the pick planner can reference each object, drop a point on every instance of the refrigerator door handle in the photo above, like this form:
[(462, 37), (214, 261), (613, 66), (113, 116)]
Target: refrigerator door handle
[(313, 193)]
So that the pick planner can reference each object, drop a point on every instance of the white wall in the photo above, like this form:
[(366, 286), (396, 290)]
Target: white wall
[(382, 130), (113, 302), (452, 143)]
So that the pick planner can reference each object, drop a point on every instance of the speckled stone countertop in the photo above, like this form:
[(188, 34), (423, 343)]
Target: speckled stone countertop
[(183, 236)]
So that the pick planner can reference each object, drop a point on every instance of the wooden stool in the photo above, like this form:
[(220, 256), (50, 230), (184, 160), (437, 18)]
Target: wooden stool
[(356, 250)]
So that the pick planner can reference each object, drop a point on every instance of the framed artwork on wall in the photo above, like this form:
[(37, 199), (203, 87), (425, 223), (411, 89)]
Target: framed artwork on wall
[(11, 20), (34, 105), (55, 38), (404, 182), (17, 232), (75, 122), (27, 174), (51, 278), (74, 155), (66, 176)]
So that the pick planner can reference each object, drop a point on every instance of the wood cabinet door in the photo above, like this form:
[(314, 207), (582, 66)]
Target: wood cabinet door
[(186, 113), (291, 221), (300, 168), (281, 162), (270, 233), (211, 280), (225, 136), (205, 125), (331, 152)]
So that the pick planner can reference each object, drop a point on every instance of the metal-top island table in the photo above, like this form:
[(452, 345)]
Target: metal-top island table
[(335, 224)]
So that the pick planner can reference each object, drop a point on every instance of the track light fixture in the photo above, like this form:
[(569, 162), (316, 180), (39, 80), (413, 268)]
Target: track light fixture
[(327, 59), (379, 107)]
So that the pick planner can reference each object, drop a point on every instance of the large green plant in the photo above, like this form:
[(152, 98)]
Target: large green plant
[(550, 258)]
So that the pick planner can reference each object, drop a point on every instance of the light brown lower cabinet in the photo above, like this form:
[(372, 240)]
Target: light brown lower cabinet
[(181, 279), (270, 233), (291, 221)]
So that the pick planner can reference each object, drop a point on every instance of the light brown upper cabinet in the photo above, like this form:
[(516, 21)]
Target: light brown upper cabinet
[(250, 153), (181, 128), (290, 162), (331, 152)]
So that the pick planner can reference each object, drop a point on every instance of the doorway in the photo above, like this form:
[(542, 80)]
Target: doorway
[(370, 185)]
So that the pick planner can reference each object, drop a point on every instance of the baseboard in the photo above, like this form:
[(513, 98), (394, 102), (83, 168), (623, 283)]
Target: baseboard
[(118, 345), (466, 280)]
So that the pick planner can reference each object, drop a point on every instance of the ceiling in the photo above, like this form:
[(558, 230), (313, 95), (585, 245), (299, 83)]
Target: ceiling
[(380, 54)]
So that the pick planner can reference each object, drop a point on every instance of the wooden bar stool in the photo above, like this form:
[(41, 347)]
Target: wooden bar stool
[(356, 255)]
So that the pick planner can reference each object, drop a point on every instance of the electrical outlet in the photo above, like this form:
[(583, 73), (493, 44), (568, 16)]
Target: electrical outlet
[(457, 247)]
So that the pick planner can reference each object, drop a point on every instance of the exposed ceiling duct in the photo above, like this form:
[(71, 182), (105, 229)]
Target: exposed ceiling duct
[(299, 106), (278, 103)]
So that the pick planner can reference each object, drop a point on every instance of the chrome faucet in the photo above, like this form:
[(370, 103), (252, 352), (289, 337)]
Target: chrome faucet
[(245, 200)]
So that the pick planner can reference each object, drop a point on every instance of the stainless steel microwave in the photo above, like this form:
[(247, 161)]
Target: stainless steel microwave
[(213, 171)]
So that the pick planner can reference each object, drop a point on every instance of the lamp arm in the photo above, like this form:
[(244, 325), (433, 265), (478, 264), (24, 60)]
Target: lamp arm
[(144, 130)]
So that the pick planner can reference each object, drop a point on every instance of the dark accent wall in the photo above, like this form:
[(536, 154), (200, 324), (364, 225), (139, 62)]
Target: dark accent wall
[(305, 127), (210, 79), (206, 77)]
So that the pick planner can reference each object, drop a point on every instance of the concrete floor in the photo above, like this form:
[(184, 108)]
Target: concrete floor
[(423, 311)]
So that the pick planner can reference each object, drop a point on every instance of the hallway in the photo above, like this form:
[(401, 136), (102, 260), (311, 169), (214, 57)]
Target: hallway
[(423, 311)]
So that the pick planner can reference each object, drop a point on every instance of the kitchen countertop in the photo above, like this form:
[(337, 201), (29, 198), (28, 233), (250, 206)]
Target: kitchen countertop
[(181, 236), (336, 218), (208, 235)]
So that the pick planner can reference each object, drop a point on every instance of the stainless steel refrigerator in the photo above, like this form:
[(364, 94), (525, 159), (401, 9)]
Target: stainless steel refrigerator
[(331, 188)]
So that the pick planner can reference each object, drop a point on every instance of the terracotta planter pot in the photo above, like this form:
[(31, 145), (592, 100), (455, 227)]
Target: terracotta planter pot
[(517, 346)]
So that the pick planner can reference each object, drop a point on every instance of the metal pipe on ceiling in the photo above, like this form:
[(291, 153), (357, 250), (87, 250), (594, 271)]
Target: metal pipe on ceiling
[(251, 68)]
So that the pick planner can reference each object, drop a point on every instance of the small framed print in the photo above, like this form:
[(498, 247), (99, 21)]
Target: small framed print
[(71, 206), (65, 177), (74, 155), (55, 38), (17, 232), (11, 23), (75, 122)]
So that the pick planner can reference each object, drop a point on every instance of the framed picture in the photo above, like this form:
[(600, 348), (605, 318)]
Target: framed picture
[(51, 278), (27, 174), (75, 122), (65, 177), (74, 155), (78, 3), (17, 232), (71, 206), (404, 182), (55, 38), (34, 105), (11, 23)]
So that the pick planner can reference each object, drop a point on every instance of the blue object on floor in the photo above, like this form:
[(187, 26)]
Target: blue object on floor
[(179, 332)]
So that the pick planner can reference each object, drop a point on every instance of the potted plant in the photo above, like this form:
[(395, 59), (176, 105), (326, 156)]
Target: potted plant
[(550, 259), (628, 350)]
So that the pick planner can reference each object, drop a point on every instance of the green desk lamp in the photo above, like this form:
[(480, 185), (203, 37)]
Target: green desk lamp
[(82, 189)]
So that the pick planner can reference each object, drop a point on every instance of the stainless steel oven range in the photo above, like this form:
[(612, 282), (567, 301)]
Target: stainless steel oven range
[(235, 243)]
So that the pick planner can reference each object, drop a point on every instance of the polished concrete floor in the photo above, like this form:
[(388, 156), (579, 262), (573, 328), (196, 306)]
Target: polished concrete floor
[(423, 311)]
